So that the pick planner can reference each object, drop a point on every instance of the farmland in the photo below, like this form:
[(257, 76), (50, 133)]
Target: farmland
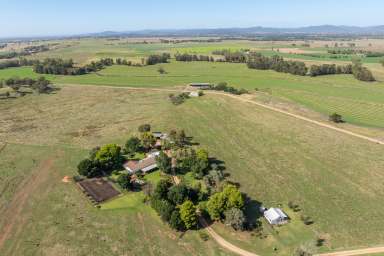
[(359, 102), (334, 178)]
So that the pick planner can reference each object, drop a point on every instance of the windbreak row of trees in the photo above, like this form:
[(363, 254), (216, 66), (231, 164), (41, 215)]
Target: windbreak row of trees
[(22, 86), (276, 63), (29, 50), (156, 58), (57, 66), (354, 51), (230, 56), (330, 69), (16, 63), (193, 57)]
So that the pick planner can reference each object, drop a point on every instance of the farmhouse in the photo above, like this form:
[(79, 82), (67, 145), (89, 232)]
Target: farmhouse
[(201, 85), (275, 216), (146, 165)]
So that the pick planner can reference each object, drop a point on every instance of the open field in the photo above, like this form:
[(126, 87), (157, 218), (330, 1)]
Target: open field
[(335, 178), (358, 102)]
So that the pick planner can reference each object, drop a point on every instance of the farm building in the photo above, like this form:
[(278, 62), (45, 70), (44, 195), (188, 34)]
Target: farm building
[(160, 135), (201, 85), (146, 165), (275, 216), (194, 94)]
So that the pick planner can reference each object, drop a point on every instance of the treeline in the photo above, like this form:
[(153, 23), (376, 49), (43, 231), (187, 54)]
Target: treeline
[(57, 66), (22, 86), (29, 50), (193, 57), (181, 41), (359, 72), (354, 51), (235, 57), (276, 63), (330, 69), (17, 63), (156, 58), (223, 86)]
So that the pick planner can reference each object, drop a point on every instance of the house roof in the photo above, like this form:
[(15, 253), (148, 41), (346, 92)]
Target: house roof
[(275, 214), (135, 166)]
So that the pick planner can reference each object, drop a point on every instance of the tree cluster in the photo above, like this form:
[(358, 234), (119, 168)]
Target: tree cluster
[(193, 57), (41, 85), (158, 58), (227, 206), (176, 204), (223, 86), (230, 56), (57, 66), (329, 69), (362, 73), (179, 98), (101, 161), (277, 63)]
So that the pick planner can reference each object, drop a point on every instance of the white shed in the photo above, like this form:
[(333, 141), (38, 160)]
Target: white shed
[(275, 216)]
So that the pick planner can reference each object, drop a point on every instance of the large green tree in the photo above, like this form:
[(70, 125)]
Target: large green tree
[(235, 218), (109, 156), (188, 214), (164, 163), (132, 145), (177, 194)]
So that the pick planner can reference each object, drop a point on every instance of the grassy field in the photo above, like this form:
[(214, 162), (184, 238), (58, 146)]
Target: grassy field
[(336, 179), (358, 102)]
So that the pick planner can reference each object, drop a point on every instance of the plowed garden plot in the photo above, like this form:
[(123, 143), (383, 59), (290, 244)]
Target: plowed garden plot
[(98, 189)]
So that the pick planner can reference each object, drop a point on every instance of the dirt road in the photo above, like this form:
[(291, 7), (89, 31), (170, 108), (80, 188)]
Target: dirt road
[(222, 242), (240, 98)]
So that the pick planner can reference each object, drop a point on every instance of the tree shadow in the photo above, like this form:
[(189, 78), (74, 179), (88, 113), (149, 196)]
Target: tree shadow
[(252, 213)]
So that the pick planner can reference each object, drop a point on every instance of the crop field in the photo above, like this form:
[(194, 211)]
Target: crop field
[(358, 102), (334, 178)]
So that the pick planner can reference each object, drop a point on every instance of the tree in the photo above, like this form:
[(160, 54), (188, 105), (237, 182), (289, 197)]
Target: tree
[(163, 208), (161, 190), (336, 118), (177, 194), (229, 198), (124, 180), (147, 140), (132, 145), (164, 163), (188, 214), (175, 221), (109, 156), (161, 70), (216, 206), (88, 168), (235, 218), (144, 128), (234, 198)]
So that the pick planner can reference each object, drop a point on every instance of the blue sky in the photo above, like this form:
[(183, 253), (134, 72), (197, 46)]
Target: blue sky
[(66, 17)]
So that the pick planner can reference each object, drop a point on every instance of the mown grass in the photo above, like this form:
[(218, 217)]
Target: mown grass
[(335, 178)]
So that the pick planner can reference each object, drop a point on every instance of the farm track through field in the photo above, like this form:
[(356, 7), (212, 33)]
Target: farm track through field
[(245, 100), (12, 217)]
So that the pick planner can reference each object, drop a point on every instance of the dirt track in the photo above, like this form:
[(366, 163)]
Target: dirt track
[(13, 212), (240, 98)]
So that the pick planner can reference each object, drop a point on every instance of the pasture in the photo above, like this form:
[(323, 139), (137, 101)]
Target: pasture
[(335, 178), (358, 102)]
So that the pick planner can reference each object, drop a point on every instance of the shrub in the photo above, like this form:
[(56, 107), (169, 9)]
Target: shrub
[(336, 118)]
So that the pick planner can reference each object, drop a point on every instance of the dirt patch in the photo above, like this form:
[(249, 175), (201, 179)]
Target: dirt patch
[(294, 50), (13, 211), (66, 179), (98, 189)]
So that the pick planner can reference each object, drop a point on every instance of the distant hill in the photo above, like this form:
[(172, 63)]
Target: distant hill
[(310, 30)]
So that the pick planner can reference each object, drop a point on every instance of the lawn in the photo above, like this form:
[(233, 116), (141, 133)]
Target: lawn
[(335, 178)]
